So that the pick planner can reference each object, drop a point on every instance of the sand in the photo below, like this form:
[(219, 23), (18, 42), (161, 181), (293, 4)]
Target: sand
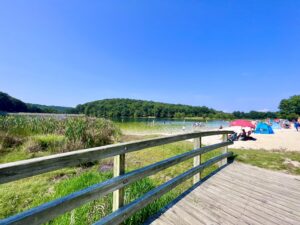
[(282, 140)]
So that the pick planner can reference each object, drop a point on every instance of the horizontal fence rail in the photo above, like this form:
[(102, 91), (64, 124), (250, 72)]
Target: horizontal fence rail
[(125, 212), (52, 209), (26, 168)]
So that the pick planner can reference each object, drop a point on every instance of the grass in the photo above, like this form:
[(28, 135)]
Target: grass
[(24, 137), (269, 159), (18, 196), (27, 193), (87, 131), (48, 142)]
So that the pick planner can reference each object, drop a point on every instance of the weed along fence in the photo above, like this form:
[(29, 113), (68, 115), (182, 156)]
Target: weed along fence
[(45, 212)]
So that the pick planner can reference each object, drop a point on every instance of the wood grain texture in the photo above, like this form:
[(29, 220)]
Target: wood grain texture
[(197, 159), (125, 212), (224, 149), (119, 169), (26, 168), (239, 194)]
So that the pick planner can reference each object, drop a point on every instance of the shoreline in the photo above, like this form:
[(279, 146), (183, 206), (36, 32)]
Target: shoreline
[(283, 140)]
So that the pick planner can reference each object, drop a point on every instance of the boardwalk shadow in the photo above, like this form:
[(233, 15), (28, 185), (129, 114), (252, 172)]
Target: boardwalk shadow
[(164, 209)]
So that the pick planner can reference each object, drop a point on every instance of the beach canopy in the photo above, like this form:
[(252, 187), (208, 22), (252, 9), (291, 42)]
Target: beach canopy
[(242, 123), (263, 128), (275, 126)]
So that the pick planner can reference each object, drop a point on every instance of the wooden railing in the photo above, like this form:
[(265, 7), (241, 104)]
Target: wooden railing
[(45, 212)]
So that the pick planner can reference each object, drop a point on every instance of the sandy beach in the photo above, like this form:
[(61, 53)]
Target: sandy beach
[(282, 140)]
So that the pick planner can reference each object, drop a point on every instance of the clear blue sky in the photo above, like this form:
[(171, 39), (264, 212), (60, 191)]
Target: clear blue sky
[(229, 55)]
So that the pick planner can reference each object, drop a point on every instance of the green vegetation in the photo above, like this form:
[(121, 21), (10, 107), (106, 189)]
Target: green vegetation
[(18, 196), (51, 108), (10, 104), (25, 137), (109, 108), (254, 115), (139, 108), (290, 108), (273, 160)]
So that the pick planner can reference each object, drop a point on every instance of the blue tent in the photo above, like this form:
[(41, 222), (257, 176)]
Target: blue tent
[(276, 126), (263, 128)]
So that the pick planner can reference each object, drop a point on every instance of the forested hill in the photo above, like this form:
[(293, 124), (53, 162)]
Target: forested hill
[(120, 107), (11, 104), (138, 108), (53, 108)]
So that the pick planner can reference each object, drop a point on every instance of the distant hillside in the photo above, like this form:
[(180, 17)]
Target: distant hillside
[(52, 108), (120, 107), (11, 104), (138, 108)]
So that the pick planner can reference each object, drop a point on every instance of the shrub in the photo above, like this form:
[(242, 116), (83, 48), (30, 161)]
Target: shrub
[(80, 132), (91, 131), (47, 142), (9, 141)]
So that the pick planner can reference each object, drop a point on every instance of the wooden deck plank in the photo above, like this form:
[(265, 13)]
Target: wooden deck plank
[(239, 194), (279, 203), (223, 209), (266, 175), (292, 184), (239, 206), (252, 204), (262, 182), (285, 198), (268, 205)]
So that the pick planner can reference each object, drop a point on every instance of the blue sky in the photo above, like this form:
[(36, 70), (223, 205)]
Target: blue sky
[(229, 55)]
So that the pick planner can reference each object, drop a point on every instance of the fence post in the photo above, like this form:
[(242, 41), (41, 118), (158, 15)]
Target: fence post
[(197, 159), (119, 169), (224, 150)]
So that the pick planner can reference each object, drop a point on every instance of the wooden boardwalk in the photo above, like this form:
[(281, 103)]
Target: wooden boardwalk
[(239, 194), (234, 194)]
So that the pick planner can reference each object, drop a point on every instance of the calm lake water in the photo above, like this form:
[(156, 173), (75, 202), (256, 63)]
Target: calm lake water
[(209, 124)]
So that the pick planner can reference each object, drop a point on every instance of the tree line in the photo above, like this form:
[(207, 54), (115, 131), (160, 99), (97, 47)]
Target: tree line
[(140, 108), (11, 104), (288, 109), (254, 115)]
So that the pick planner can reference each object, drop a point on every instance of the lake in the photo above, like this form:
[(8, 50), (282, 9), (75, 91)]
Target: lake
[(174, 124)]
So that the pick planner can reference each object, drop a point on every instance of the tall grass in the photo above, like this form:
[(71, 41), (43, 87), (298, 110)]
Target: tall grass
[(54, 135), (90, 130), (30, 192), (24, 194)]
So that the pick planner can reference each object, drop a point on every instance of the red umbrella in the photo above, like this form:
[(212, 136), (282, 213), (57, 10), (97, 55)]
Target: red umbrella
[(242, 123)]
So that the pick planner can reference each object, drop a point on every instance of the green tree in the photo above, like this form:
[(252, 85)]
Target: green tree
[(290, 108)]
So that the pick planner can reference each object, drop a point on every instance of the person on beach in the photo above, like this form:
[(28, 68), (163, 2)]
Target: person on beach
[(243, 136), (296, 124), (233, 137)]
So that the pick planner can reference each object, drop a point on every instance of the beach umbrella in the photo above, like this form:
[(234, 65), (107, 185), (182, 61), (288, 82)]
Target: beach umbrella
[(242, 123), (277, 120)]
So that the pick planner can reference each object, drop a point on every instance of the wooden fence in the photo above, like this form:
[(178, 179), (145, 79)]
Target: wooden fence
[(45, 212)]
